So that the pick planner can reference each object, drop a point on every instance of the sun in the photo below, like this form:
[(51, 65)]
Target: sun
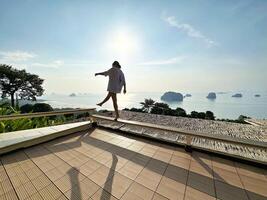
[(123, 42), (123, 45)]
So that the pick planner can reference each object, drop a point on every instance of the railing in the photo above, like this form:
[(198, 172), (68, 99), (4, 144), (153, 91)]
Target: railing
[(189, 135), (45, 114)]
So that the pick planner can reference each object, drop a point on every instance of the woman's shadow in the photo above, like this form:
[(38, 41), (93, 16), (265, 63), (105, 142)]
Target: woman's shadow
[(108, 184), (75, 185)]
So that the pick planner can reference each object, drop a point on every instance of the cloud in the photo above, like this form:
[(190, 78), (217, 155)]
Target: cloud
[(69, 63), (23, 60), (188, 29), (173, 60), (53, 64), (16, 56)]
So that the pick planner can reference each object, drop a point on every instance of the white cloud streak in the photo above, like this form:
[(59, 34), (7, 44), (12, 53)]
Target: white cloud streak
[(23, 59), (69, 63), (174, 60), (16, 56), (188, 29), (54, 64)]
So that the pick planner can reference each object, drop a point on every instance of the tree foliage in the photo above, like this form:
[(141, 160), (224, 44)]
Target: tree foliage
[(159, 108), (13, 81), (147, 104), (180, 112), (42, 107), (164, 109), (27, 108), (209, 115)]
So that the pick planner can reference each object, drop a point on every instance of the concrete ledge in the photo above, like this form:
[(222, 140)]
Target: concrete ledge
[(21, 139)]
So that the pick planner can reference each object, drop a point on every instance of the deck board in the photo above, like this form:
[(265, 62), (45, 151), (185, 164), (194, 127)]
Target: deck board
[(102, 164)]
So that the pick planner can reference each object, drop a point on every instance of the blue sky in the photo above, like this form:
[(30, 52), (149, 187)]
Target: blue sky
[(162, 45)]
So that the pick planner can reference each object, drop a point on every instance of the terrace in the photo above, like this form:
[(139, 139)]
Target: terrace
[(87, 160)]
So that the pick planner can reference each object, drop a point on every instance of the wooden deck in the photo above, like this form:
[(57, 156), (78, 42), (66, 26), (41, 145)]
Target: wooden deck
[(102, 164)]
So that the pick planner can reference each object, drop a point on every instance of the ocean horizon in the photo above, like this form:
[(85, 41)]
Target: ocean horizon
[(224, 106)]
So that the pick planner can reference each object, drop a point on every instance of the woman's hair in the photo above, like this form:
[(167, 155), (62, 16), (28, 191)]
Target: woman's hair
[(116, 64)]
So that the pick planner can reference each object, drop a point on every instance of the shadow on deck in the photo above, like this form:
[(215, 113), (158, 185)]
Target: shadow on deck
[(103, 164)]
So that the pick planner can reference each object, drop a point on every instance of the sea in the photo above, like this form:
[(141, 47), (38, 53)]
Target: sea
[(224, 106)]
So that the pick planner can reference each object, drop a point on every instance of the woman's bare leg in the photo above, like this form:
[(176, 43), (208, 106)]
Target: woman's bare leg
[(105, 100), (114, 99)]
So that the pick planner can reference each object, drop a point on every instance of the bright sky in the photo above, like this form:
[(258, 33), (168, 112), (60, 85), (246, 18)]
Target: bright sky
[(162, 45)]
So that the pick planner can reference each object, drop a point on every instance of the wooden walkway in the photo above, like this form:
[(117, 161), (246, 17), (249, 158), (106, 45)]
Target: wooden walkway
[(102, 164)]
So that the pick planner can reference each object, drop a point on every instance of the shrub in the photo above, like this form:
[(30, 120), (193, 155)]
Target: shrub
[(27, 108), (69, 116), (180, 112), (137, 110), (83, 115), (42, 107), (210, 115), (194, 114), (157, 110), (170, 112), (161, 105), (160, 108), (242, 118), (201, 115)]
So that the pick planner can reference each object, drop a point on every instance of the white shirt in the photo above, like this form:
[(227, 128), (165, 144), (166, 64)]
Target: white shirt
[(116, 79)]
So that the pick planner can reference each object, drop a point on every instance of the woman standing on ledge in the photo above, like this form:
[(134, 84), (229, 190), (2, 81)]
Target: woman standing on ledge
[(115, 83)]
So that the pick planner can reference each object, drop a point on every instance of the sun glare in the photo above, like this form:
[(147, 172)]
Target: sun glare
[(123, 45)]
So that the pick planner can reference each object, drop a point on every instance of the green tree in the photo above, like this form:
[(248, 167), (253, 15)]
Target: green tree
[(180, 112), (27, 108), (201, 115), (42, 107), (194, 114), (209, 115), (147, 104), (170, 112), (160, 108), (25, 85)]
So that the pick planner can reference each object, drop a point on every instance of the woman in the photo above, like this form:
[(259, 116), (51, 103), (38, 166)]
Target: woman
[(115, 83)]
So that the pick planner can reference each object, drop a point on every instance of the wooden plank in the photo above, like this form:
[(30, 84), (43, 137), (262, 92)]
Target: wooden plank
[(44, 114), (220, 138)]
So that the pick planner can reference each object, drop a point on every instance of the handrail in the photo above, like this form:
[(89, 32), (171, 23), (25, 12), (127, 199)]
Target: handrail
[(44, 114), (221, 138)]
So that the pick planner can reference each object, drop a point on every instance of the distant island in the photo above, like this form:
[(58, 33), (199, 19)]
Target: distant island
[(172, 96), (211, 95), (238, 95), (188, 95), (257, 95), (72, 95)]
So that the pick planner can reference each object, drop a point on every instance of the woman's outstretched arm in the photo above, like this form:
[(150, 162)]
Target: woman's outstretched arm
[(103, 73), (100, 73)]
